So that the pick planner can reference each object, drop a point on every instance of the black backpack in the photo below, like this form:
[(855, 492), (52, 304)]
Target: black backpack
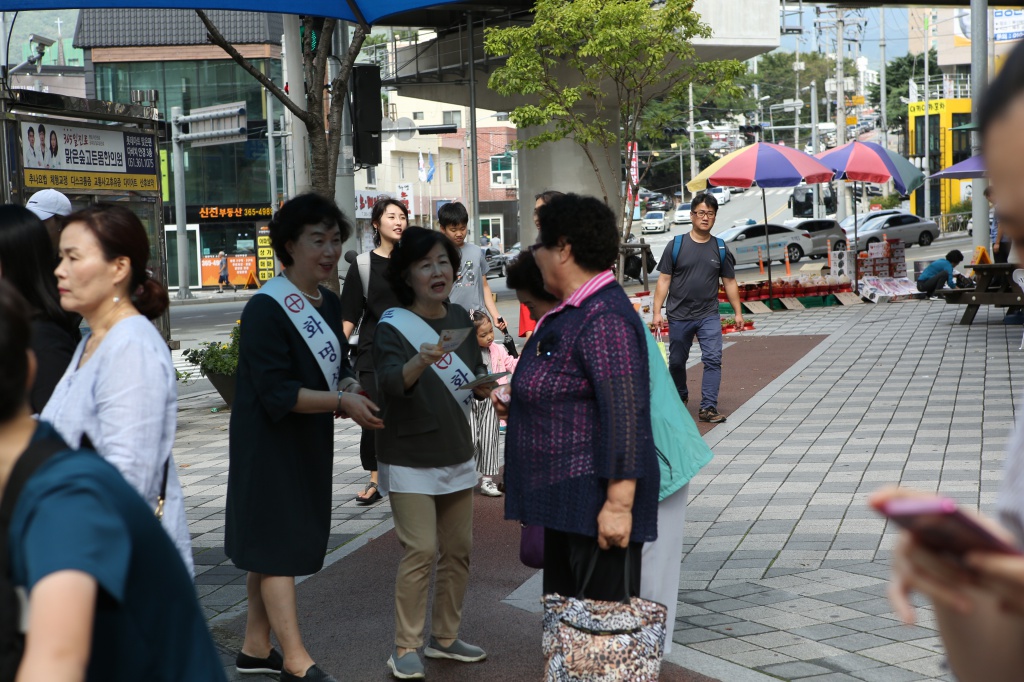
[(12, 641)]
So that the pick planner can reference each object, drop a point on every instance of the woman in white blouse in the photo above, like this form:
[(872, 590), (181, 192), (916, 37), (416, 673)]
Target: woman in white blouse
[(119, 392)]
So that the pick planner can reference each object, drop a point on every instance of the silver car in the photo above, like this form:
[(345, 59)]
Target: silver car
[(907, 227), (822, 232), (744, 241)]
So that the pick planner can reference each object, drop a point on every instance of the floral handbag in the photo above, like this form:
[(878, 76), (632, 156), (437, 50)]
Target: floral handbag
[(603, 641)]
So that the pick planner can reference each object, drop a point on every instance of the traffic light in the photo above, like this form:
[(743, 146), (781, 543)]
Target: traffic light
[(751, 132), (314, 38), (367, 114), (676, 132)]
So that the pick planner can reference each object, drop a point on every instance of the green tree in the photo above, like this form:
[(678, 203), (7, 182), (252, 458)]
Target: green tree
[(324, 131), (898, 74), (587, 62)]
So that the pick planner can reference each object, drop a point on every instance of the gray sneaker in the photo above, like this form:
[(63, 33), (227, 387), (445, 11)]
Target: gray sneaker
[(457, 651), (408, 667)]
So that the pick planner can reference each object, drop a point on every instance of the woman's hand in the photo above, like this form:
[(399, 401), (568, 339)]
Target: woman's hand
[(919, 569), (429, 354), (614, 525), (501, 397), (362, 411)]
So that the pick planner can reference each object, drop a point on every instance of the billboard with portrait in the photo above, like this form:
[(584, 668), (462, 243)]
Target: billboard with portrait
[(64, 157)]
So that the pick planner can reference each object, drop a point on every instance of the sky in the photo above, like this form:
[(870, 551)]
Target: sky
[(895, 33)]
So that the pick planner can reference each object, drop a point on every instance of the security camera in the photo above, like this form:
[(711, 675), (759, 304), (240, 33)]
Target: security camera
[(41, 40)]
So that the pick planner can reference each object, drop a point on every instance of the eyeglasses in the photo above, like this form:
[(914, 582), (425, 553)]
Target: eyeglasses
[(704, 214)]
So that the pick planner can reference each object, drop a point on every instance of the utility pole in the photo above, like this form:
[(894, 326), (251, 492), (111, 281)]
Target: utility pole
[(881, 75), (927, 116), (814, 141), (840, 109), (693, 151), (345, 180), (474, 192), (979, 81), (757, 98), (271, 152), (796, 69)]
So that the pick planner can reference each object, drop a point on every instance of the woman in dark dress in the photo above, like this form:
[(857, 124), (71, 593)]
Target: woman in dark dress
[(282, 445), (26, 261), (362, 304)]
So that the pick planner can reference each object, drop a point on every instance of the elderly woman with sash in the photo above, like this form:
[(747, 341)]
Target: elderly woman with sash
[(425, 354), (292, 376)]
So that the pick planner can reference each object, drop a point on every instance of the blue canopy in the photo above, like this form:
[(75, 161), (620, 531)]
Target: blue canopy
[(370, 11)]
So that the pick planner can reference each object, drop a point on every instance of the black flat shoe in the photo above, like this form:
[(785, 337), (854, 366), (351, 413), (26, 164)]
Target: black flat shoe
[(366, 501), (246, 664)]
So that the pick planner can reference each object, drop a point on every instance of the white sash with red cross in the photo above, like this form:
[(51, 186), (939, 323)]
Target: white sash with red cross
[(321, 339), (452, 370)]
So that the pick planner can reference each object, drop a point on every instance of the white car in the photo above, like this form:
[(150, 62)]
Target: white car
[(723, 195), (745, 240), (682, 214), (656, 221)]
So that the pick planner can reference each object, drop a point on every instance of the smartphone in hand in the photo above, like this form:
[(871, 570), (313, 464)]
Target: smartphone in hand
[(937, 523)]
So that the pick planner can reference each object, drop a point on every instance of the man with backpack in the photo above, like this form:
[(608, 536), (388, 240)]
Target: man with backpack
[(91, 587), (691, 268)]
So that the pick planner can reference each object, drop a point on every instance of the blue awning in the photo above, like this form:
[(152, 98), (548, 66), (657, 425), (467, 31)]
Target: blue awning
[(350, 10)]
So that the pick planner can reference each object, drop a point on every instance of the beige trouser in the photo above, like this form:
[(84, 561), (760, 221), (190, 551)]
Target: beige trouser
[(429, 526)]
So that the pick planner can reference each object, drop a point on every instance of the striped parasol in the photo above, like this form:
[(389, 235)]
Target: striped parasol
[(762, 164)]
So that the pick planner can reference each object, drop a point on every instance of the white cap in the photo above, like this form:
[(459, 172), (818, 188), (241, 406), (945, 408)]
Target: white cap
[(48, 203)]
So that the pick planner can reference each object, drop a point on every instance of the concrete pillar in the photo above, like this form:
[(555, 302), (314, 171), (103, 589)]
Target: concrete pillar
[(564, 167)]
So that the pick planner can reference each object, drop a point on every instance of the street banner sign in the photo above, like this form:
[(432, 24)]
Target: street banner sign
[(65, 157)]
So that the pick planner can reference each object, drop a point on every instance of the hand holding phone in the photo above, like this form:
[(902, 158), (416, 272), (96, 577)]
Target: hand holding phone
[(938, 524)]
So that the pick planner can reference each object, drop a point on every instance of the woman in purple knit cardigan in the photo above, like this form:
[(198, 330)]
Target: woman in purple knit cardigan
[(580, 458)]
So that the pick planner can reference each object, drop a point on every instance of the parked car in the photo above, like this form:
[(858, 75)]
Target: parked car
[(745, 240), (863, 218), (722, 194), (512, 253), (822, 232), (738, 190), (495, 262), (656, 221), (907, 227), (682, 214), (970, 221), (659, 202)]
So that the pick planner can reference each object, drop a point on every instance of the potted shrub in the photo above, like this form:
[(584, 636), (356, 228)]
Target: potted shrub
[(218, 362)]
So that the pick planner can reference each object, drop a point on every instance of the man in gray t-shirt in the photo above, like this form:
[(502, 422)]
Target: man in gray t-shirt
[(470, 288), (689, 281)]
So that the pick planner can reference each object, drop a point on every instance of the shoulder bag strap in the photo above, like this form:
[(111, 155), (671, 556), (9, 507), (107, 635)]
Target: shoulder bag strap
[(363, 263), (37, 453)]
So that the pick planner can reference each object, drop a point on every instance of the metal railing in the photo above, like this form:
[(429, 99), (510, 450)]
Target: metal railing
[(953, 222)]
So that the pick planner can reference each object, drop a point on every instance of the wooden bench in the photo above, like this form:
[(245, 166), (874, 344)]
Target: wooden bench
[(993, 285)]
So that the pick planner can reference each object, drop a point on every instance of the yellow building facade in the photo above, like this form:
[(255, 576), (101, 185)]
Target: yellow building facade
[(947, 146)]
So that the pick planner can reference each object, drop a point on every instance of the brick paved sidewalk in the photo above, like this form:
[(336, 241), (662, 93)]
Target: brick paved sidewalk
[(785, 569)]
